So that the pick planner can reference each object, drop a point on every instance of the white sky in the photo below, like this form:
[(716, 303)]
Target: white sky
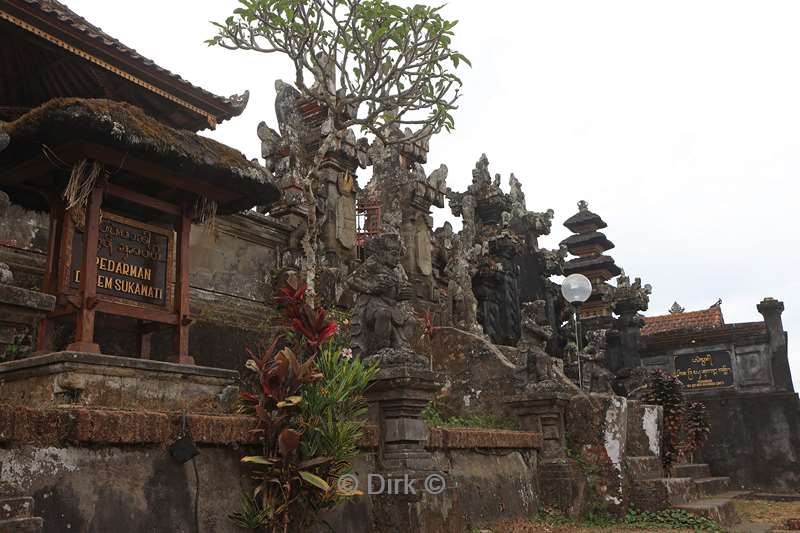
[(679, 123)]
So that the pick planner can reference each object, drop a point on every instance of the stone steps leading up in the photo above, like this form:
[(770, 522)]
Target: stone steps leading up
[(720, 510), (22, 525), (711, 486), (696, 470), (657, 494)]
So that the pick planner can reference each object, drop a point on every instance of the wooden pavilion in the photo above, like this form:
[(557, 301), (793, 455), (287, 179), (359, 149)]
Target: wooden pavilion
[(105, 140)]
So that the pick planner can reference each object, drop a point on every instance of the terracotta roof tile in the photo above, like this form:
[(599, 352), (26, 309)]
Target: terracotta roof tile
[(708, 318)]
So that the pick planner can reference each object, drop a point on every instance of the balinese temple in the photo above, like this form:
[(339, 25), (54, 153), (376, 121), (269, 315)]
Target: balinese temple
[(588, 245), (105, 141)]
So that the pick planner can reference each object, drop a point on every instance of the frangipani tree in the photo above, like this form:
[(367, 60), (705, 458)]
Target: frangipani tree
[(380, 68)]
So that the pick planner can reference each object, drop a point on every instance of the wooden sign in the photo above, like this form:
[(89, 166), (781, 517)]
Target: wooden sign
[(134, 262), (705, 370)]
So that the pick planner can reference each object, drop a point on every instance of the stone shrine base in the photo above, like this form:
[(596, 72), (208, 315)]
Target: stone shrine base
[(104, 381)]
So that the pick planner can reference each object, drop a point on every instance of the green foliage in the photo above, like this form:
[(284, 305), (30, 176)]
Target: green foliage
[(667, 391), (251, 516), (483, 421), (696, 427), (670, 518), (388, 62), (307, 396), (659, 520), (334, 409)]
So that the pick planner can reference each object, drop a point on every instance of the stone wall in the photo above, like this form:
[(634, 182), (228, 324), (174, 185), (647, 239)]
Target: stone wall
[(755, 420), (490, 475), (99, 470), (755, 439)]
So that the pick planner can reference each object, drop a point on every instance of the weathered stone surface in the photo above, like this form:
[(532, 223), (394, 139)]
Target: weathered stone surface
[(346, 221), (477, 377), (93, 426), (118, 382), (126, 489), (755, 440), (482, 487)]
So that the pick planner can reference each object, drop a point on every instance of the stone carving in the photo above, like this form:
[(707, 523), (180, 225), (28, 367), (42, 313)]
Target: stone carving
[(629, 298), (596, 377), (379, 321), (346, 221), (676, 308)]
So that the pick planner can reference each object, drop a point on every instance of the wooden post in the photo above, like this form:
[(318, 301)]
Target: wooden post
[(44, 341), (84, 325), (145, 339), (181, 338)]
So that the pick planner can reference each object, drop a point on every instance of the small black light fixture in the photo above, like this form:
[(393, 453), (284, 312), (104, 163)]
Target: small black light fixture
[(183, 449)]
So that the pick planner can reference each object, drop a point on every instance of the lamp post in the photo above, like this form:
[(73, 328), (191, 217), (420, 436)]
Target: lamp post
[(576, 289)]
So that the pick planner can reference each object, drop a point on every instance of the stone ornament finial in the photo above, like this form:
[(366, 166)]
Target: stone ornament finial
[(676, 308), (583, 205)]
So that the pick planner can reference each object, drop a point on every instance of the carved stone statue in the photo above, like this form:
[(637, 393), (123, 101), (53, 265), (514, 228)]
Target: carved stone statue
[(379, 321), (596, 377)]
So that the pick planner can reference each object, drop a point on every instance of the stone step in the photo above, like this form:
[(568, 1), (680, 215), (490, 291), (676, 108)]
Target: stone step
[(661, 493), (22, 525), (644, 467), (691, 470), (712, 486), (720, 510), (15, 508), (751, 527)]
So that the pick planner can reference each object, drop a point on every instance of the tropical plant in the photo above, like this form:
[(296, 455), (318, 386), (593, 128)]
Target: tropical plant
[(685, 428), (696, 427), (308, 401), (377, 66)]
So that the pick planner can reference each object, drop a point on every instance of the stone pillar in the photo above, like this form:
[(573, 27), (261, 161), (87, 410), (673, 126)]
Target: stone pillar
[(398, 395), (543, 412), (772, 309), (562, 482)]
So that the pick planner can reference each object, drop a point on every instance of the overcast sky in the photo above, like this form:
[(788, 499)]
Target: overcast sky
[(679, 123)]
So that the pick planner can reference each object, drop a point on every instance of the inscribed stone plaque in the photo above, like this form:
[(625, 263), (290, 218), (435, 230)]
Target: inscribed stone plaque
[(133, 260), (705, 370), (424, 253), (346, 222)]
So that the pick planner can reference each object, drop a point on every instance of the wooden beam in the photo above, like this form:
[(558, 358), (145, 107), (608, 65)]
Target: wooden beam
[(155, 171), (141, 199), (139, 313)]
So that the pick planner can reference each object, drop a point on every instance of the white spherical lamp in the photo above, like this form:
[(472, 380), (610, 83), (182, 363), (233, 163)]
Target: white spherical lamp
[(576, 288)]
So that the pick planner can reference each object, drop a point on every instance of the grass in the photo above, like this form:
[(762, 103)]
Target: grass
[(476, 420), (758, 511), (767, 512)]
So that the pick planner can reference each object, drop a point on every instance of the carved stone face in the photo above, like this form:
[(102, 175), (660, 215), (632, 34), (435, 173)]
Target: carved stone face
[(393, 253)]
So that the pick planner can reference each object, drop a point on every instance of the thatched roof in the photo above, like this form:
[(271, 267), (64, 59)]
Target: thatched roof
[(129, 129)]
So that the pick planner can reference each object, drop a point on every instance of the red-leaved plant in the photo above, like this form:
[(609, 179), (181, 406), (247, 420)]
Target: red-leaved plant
[(293, 486)]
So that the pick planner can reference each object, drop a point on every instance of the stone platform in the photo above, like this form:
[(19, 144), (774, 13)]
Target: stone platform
[(104, 381)]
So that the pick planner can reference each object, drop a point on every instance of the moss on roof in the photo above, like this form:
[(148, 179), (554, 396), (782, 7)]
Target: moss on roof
[(128, 128)]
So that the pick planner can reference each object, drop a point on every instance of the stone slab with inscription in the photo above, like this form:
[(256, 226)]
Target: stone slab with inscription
[(705, 370)]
